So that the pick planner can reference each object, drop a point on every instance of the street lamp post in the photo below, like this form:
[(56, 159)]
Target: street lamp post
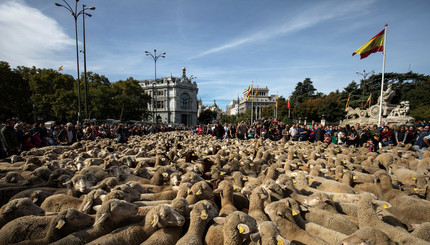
[(85, 56), (75, 15), (155, 57), (364, 74)]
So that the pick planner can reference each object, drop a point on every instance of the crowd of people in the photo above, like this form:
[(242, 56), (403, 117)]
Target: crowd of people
[(19, 136), (370, 136)]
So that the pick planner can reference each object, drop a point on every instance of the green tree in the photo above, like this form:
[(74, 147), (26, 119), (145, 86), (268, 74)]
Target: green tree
[(130, 101), (207, 116), (15, 93)]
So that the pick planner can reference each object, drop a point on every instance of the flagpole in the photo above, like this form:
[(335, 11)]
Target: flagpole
[(383, 73), (252, 103), (276, 105)]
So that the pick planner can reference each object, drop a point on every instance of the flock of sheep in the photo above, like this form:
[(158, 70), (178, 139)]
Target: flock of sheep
[(182, 188)]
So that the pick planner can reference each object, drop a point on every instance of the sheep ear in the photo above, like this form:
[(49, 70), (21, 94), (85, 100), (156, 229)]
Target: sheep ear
[(281, 240), (102, 219), (97, 207), (217, 191), (102, 197), (243, 228), (60, 224), (255, 237), (219, 220), (175, 188), (154, 221), (87, 205), (35, 199)]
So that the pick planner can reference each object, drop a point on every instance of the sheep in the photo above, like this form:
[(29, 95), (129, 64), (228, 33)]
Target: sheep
[(107, 184), (37, 196), (408, 209), (131, 194), (256, 204), (158, 217), (202, 213), (18, 208), (367, 235), (80, 184), (110, 215), (200, 191), (268, 234), (225, 190), (42, 229), (282, 215), (232, 230), (170, 235), (422, 231), (326, 234), (368, 217)]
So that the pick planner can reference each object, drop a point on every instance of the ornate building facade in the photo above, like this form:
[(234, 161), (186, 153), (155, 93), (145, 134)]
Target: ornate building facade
[(214, 108), (257, 102), (174, 100)]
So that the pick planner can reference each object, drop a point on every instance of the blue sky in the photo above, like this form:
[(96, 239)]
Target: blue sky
[(226, 44)]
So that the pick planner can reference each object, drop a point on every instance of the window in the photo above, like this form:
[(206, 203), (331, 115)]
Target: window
[(159, 104), (185, 101)]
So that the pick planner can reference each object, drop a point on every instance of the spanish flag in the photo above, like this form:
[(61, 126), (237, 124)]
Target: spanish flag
[(289, 102), (255, 95), (249, 93), (368, 100), (347, 102), (60, 68), (376, 44)]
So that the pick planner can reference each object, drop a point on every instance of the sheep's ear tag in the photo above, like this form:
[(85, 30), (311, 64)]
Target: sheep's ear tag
[(415, 189), (311, 179), (414, 178), (60, 224), (199, 192), (280, 242), (188, 192), (251, 164), (394, 179), (294, 213), (243, 229), (294, 181), (385, 206), (154, 221), (354, 178), (221, 173), (204, 215), (165, 175), (344, 171), (235, 187)]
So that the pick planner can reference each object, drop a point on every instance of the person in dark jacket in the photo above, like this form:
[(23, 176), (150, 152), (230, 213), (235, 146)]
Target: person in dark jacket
[(9, 138), (218, 131), (67, 135)]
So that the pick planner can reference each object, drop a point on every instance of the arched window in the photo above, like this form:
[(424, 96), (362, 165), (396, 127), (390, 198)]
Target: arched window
[(185, 101)]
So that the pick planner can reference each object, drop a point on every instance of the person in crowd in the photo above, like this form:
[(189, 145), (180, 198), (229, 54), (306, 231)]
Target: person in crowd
[(341, 136), (241, 131), (27, 143), (352, 137), (376, 135), (411, 135), (421, 145), (303, 133), (9, 138), (294, 134), (218, 131), (327, 138), (400, 135), (335, 138), (68, 135)]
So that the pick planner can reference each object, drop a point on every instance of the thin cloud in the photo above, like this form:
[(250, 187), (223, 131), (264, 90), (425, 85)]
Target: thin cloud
[(311, 17), (30, 37)]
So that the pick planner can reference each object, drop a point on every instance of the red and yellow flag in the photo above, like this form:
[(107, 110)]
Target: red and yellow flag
[(289, 102), (60, 68), (376, 44), (347, 102), (249, 93), (368, 100), (255, 95)]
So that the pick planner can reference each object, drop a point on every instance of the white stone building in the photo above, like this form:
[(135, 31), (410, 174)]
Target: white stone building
[(214, 107), (174, 100), (262, 100)]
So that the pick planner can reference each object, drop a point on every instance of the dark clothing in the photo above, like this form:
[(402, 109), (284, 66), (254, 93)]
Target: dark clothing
[(9, 140), (218, 132), (63, 137), (420, 141)]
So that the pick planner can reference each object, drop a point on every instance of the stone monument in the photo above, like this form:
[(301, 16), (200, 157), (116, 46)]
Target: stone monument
[(394, 114)]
